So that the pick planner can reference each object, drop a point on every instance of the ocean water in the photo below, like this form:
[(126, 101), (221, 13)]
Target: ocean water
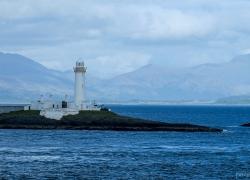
[(64, 154)]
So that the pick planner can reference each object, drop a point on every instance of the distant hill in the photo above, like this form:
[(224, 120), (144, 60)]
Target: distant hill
[(22, 79), (234, 100), (204, 82)]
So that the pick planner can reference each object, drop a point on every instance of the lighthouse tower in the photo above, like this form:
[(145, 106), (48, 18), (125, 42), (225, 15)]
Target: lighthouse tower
[(80, 71)]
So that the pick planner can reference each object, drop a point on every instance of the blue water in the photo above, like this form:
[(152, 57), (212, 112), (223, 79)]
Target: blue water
[(58, 154)]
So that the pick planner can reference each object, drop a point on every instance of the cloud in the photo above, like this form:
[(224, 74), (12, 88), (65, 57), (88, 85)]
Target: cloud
[(156, 22), (171, 33), (109, 66), (83, 19), (101, 60)]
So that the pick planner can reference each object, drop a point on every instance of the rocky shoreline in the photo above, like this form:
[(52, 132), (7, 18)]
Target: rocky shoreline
[(93, 120), (246, 125)]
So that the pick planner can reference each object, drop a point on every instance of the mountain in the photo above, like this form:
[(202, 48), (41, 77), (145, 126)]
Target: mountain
[(148, 82), (203, 82), (22, 79)]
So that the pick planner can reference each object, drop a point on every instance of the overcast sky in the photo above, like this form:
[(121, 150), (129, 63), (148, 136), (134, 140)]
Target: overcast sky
[(117, 36)]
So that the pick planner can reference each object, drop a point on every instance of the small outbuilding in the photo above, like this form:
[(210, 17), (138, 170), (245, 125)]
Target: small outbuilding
[(5, 108)]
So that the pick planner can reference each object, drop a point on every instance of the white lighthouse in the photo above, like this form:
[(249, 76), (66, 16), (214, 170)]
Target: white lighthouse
[(58, 109), (80, 71)]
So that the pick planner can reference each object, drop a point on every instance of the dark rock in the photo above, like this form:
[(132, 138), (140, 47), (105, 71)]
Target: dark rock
[(246, 125), (93, 120)]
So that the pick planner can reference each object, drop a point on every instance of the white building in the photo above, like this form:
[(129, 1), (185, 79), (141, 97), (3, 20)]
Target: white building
[(57, 109), (80, 71)]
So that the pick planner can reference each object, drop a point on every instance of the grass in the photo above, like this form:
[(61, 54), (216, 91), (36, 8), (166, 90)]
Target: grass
[(91, 120)]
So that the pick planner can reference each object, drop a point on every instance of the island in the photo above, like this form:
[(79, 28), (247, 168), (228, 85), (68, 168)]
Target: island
[(246, 125), (93, 120)]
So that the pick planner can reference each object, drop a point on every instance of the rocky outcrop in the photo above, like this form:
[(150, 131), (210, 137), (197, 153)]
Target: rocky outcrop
[(246, 125), (93, 120)]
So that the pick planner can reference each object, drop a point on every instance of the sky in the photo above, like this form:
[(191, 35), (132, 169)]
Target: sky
[(115, 37)]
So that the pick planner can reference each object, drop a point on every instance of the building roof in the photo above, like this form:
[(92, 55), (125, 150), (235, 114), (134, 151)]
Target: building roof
[(14, 105)]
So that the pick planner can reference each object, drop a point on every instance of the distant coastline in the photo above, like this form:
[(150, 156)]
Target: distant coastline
[(231, 101), (152, 103), (175, 104)]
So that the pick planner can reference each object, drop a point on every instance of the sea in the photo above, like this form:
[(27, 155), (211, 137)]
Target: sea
[(66, 154)]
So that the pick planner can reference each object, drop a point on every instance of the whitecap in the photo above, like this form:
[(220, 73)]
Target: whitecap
[(32, 158)]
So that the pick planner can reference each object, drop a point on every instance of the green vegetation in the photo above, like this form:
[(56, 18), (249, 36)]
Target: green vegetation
[(92, 120)]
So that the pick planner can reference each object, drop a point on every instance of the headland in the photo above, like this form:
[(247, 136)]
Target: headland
[(93, 120)]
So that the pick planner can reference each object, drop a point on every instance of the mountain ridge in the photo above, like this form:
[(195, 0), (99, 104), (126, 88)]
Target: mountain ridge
[(23, 79)]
